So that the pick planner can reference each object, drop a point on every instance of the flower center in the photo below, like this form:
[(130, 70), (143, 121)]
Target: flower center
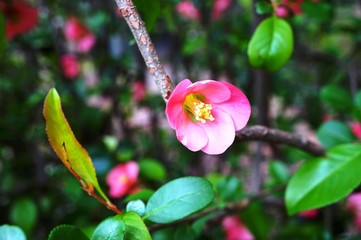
[(198, 110)]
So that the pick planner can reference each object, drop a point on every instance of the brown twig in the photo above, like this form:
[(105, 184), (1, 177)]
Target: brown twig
[(220, 211), (262, 133), (146, 47)]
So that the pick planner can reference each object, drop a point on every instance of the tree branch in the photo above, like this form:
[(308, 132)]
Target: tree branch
[(262, 133), (146, 47)]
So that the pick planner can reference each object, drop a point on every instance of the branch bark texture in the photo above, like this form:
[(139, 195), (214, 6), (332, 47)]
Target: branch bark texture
[(262, 133), (146, 47)]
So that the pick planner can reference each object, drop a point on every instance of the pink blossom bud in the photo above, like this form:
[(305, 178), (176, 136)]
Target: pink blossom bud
[(187, 10), (356, 129), (122, 179), (282, 11), (79, 34), (235, 229), (70, 65), (219, 7)]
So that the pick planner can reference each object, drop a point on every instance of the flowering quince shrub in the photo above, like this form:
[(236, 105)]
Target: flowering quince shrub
[(234, 176), (206, 114)]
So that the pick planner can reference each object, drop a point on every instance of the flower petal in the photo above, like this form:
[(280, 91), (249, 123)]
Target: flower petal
[(176, 101), (214, 92), (220, 132), (190, 134), (237, 107)]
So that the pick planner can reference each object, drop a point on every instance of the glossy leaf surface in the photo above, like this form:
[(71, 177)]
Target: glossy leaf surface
[(66, 232), (271, 44), (66, 146), (322, 181), (179, 198)]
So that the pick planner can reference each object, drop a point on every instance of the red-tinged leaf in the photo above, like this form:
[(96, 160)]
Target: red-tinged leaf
[(68, 149)]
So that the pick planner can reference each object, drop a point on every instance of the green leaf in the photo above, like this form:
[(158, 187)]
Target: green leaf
[(66, 232), (334, 132), (151, 169), (66, 146), (271, 44), (229, 189), (8, 232), (322, 181), (336, 97), (110, 228), (257, 221), (178, 199), (24, 214), (135, 228), (278, 172), (356, 113), (143, 195)]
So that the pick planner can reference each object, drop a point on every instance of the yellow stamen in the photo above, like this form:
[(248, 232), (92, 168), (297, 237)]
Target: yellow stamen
[(197, 109)]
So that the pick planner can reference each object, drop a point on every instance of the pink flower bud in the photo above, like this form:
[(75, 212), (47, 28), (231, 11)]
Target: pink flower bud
[(235, 229), (70, 65), (219, 7), (122, 179), (187, 10), (282, 11), (312, 213), (356, 129)]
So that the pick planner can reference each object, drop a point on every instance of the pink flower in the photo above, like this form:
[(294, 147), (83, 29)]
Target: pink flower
[(122, 178), (282, 11), (20, 17), (235, 229), (102, 102), (79, 34), (294, 5), (354, 205), (188, 10), (219, 7), (356, 129), (312, 213), (206, 114), (70, 65)]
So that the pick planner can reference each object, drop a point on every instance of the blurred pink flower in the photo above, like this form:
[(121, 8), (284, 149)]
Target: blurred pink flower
[(282, 11), (70, 65), (78, 33), (294, 5), (312, 213), (206, 114), (356, 129), (122, 179), (235, 229), (354, 205), (20, 17), (101, 102), (187, 10), (219, 7), (138, 91)]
